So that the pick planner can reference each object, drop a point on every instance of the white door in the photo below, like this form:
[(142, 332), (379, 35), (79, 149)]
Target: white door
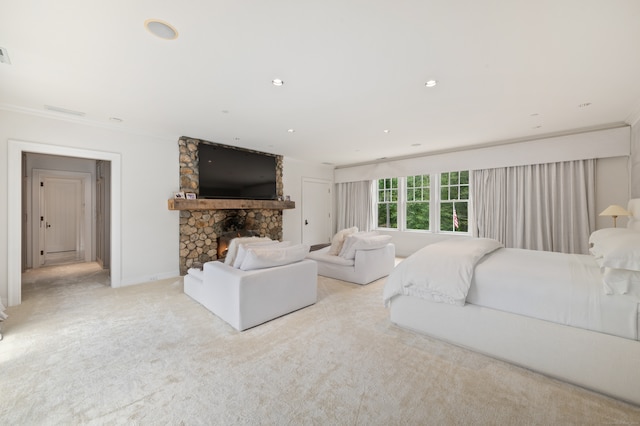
[(62, 209), (316, 211)]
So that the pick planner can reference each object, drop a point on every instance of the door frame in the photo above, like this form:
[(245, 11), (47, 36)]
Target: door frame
[(329, 207), (14, 209), (87, 226)]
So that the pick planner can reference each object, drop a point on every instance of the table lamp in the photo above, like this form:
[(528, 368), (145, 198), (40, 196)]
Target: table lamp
[(614, 211)]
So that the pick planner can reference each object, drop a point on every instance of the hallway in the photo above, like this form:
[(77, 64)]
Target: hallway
[(76, 278)]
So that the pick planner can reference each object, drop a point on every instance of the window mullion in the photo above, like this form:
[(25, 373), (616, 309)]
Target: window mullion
[(402, 203)]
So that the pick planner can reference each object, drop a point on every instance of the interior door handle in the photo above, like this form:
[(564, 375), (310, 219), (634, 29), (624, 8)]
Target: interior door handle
[(306, 222), (48, 225)]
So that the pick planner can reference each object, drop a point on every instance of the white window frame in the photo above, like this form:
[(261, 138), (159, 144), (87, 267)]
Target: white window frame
[(434, 206)]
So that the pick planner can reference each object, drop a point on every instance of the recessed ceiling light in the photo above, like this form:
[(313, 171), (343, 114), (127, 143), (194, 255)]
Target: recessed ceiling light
[(584, 105), (115, 119), (416, 144), (161, 29), (225, 111), (537, 127), (277, 82), (387, 131), (535, 114), (291, 130), (236, 139), (431, 83)]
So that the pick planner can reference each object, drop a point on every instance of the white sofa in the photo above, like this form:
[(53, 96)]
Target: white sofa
[(357, 257), (245, 299)]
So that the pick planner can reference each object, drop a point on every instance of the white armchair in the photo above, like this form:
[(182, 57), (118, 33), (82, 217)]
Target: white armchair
[(259, 292), (355, 257)]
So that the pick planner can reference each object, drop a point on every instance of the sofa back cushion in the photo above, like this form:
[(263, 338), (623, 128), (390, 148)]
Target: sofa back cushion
[(242, 249), (232, 250), (270, 256), (365, 241)]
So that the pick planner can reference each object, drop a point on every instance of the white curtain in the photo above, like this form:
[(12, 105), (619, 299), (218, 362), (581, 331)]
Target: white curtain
[(354, 205), (547, 207)]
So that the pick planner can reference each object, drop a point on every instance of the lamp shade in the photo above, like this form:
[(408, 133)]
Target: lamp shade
[(615, 210)]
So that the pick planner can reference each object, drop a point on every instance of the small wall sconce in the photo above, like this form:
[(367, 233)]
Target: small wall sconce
[(614, 211)]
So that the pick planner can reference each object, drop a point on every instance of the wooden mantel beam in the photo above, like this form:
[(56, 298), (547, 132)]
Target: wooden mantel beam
[(215, 204)]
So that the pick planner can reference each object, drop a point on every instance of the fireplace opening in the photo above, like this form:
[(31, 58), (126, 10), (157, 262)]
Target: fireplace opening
[(225, 238)]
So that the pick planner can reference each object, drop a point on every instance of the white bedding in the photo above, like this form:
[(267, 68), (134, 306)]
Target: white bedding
[(439, 272), (562, 288)]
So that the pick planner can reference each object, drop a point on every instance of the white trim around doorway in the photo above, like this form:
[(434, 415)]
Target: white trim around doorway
[(14, 211)]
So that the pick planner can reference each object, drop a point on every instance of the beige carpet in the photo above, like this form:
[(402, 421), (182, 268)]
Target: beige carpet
[(79, 352)]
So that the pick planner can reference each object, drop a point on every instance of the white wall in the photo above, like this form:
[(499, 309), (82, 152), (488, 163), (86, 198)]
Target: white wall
[(149, 175), (293, 174), (635, 160)]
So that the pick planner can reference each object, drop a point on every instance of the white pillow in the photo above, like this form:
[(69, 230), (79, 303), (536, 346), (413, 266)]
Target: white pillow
[(233, 247), (620, 251), (338, 240), (351, 239), (267, 257), (621, 281), (242, 249), (368, 242), (600, 238)]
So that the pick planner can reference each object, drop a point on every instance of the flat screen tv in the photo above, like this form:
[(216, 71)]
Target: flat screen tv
[(227, 172)]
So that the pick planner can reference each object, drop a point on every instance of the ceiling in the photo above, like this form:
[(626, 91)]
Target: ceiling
[(506, 70)]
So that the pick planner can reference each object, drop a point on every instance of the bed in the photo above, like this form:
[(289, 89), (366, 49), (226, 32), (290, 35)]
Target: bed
[(572, 317)]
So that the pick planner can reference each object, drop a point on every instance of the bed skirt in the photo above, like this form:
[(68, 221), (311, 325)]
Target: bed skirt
[(596, 361)]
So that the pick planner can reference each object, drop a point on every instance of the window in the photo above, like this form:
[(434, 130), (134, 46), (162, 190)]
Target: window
[(436, 202), (418, 196), (454, 201), (388, 203)]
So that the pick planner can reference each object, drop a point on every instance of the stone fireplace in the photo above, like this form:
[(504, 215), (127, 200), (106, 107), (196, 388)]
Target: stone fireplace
[(202, 227)]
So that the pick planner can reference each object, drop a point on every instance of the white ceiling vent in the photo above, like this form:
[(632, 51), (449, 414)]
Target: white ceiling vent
[(4, 56)]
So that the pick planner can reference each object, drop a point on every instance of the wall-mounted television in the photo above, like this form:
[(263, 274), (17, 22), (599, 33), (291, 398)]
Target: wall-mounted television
[(228, 172)]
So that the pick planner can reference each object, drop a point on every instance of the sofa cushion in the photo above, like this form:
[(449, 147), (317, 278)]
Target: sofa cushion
[(338, 240), (364, 242), (267, 257), (242, 249), (324, 256), (232, 250), (351, 239)]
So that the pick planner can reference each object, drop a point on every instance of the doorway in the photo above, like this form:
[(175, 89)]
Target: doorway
[(316, 211), (61, 216), (18, 222)]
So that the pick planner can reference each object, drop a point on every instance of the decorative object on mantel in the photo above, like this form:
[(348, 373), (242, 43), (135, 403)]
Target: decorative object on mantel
[(191, 195), (178, 195), (614, 211)]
